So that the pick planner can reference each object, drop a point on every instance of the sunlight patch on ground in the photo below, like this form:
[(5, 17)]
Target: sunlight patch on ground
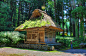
[(6, 54)]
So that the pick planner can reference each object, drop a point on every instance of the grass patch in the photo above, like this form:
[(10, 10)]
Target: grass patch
[(64, 49), (6, 54), (6, 47), (84, 48), (54, 51)]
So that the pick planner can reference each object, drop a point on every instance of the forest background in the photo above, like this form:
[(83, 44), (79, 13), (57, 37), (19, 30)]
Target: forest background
[(69, 14)]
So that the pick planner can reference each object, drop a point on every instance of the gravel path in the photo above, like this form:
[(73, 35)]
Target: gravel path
[(69, 52)]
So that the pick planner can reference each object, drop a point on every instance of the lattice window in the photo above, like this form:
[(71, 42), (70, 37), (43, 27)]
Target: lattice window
[(34, 36), (41, 34), (29, 31), (36, 32), (50, 35), (29, 36)]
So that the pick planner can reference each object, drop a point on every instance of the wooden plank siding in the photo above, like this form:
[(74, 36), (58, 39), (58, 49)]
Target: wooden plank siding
[(41, 35), (35, 35), (50, 35)]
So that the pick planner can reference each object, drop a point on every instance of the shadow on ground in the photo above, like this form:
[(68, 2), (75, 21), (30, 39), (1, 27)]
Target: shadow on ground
[(75, 51)]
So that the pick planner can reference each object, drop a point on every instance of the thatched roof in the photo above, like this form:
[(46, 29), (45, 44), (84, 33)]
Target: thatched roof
[(39, 18)]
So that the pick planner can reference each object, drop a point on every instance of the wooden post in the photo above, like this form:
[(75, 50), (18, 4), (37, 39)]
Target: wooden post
[(31, 37), (48, 37), (52, 36), (44, 36)]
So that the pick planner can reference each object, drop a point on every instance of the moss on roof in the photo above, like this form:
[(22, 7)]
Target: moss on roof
[(44, 20), (33, 23)]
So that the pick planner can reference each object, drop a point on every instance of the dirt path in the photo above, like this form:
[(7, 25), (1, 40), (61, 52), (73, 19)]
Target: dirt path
[(20, 52)]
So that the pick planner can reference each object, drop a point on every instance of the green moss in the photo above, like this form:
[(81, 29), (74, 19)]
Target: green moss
[(33, 23), (36, 22)]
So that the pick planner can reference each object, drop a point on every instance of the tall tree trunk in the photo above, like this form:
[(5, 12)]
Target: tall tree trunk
[(76, 29), (82, 27), (73, 21), (81, 24), (14, 13), (70, 18), (55, 9), (78, 24), (67, 19), (62, 19), (12, 9), (29, 11), (44, 3), (19, 11), (73, 29), (58, 19)]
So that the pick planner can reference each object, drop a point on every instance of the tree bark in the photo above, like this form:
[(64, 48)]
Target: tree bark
[(78, 24), (70, 18), (62, 20), (11, 7), (55, 9), (81, 24), (29, 11), (19, 12), (82, 28), (73, 21)]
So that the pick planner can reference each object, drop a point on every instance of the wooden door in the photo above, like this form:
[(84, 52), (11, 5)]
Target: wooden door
[(41, 36)]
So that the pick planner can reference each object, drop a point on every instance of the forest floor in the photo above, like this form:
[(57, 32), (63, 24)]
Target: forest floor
[(26, 52)]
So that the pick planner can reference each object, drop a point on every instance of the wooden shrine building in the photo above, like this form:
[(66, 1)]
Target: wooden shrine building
[(41, 31)]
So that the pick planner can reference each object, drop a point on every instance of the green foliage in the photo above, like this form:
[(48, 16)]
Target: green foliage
[(28, 1), (78, 11), (12, 37), (50, 3), (4, 15), (68, 24), (66, 41), (76, 42), (34, 23), (81, 0)]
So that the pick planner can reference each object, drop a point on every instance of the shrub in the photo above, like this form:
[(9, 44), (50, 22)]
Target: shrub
[(66, 41), (10, 37), (76, 42)]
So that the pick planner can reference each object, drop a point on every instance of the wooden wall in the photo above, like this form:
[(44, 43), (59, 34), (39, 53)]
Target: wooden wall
[(40, 35), (35, 35), (50, 36)]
